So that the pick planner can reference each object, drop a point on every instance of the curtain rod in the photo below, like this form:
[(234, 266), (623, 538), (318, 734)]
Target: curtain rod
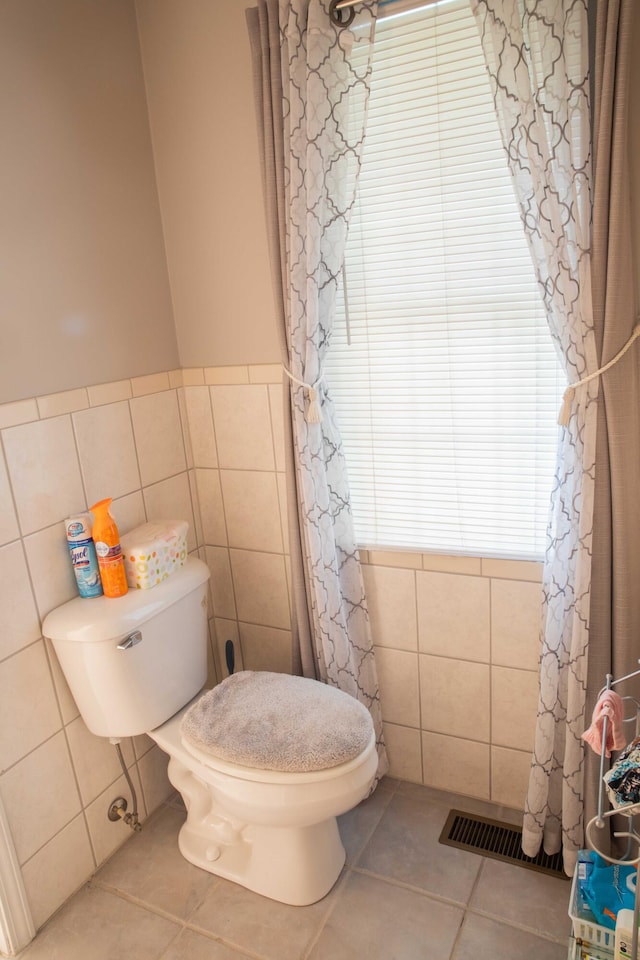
[(344, 20), (336, 15)]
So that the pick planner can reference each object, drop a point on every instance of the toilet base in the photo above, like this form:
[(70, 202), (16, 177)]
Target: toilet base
[(297, 865), (294, 865)]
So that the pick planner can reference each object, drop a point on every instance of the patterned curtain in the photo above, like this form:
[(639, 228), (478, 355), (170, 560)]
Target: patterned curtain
[(312, 105), (538, 62)]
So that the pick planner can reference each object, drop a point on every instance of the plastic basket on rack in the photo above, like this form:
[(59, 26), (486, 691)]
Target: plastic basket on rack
[(588, 930)]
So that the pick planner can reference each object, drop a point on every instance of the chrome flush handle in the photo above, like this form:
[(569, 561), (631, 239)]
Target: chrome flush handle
[(130, 641)]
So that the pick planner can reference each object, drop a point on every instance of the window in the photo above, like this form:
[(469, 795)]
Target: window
[(443, 371)]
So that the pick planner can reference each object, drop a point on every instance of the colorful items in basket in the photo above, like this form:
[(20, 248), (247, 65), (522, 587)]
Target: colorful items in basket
[(623, 779), (605, 888)]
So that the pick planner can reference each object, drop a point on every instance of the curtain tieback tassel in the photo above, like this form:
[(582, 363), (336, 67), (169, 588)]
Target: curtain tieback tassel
[(314, 411), (567, 398)]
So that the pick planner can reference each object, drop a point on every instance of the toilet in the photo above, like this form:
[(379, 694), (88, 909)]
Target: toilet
[(265, 762)]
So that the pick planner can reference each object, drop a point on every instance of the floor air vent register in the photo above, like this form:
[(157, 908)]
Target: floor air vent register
[(501, 841)]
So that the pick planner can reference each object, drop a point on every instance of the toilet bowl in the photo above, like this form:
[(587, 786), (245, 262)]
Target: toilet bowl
[(273, 832), (262, 785)]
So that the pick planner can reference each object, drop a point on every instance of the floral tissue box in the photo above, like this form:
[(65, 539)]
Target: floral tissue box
[(153, 551)]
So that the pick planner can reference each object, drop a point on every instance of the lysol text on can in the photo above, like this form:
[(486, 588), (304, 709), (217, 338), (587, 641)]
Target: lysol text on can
[(83, 555)]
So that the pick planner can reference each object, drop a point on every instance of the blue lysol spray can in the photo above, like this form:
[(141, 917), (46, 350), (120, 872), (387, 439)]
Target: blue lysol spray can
[(83, 555)]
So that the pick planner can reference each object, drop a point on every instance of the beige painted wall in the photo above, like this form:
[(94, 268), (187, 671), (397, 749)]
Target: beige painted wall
[(197, 69), (85, 293)]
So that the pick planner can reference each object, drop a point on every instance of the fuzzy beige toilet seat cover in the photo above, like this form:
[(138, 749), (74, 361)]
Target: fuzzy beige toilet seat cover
[(273, 721)]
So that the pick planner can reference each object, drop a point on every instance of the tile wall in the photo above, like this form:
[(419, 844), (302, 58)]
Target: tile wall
[(456, 637), (456, 641), (58, 455)]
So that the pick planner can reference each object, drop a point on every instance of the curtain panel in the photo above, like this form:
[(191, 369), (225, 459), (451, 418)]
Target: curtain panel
[(312, 103), (615, 598), (538, 62)]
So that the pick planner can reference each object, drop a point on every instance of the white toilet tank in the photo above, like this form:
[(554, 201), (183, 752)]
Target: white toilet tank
[(132, 662)]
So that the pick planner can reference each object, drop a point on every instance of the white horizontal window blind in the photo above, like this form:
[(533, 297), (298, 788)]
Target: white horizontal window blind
[(443, 371)]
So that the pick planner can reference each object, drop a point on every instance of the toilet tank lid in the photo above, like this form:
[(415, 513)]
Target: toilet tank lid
[(90, 620)]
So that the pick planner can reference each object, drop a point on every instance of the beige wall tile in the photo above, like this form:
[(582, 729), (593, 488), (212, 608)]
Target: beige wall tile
[(107, 451), (214, 674), (107, 835), (171, 500), (95, 760), (287, 570), (22, 411), (514, 704), (221, 584), (260, 587), (453, 615), (35, 818), (252, 510), (243, 427), (228, 630), (142, 745), (391, 599), (27, 718), (277, 424), (20, 621), (128, 512), (226, 375), (50, 567), (152, 383), (110, 392), (284, 510), (265, 648), (265, 373), (399, 687), (516, 611), (457, 766), (46, 884), (156, 786), (193, 377), (184, 426), (395, 558), (509, 776), (195, 503), (443, 563), (512, 569), (176, 378), (200, 416), (404, 752), (44, 471), (454, 697), (68, 707), (214, 528), (56, 404), (8, 520), (158, 435)]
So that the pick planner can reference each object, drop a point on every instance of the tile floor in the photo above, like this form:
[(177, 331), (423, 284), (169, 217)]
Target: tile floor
[(401, 896)]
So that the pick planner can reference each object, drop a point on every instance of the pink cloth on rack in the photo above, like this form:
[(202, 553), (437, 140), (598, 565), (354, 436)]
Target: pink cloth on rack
[(609, 705)]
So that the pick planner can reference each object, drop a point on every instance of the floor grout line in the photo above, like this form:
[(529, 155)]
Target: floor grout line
[(136, 901), (335, 895), (231, 944), (474, 911), (394, 882)]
